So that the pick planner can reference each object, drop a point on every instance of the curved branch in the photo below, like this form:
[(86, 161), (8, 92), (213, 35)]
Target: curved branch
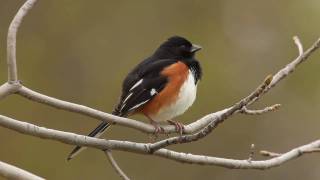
[(289, 68), (12, 172), (115, 165), (12, 38), (6, 89), (267, 109), (142, 148)]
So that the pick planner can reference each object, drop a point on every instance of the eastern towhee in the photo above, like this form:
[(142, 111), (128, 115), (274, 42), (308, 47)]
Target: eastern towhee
[(161, 87)]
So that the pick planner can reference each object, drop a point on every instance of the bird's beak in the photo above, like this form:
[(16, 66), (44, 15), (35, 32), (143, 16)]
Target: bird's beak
[(195, 48)]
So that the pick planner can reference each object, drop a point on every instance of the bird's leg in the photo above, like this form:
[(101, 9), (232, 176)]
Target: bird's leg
[(179, 126), (158, 128)]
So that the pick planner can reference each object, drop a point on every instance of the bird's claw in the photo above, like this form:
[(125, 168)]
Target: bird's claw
[(179, 126)]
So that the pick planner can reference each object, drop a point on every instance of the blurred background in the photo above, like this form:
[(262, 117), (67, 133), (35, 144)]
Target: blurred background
[(80, 51)]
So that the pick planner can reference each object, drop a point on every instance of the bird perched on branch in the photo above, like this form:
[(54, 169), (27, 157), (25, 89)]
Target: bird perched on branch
[(161, 87)]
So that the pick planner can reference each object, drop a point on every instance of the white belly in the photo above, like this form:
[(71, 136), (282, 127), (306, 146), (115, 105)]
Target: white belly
[(185, 99)]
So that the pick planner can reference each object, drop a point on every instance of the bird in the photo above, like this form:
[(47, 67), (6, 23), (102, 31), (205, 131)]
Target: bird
[(161, 87)]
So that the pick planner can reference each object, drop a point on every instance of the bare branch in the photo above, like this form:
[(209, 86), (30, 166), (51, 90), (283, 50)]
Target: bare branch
[(289, 68), (312, 150), (7, 89), (260, 111), (142, 148), (274, 154), (251, 153), (115, 165), (298, 44), (84, 110), (12, 172), (12, 37), (269, 154)]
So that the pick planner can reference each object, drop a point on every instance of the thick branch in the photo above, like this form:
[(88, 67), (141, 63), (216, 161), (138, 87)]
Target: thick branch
[(142, 148), (12, 172), (12, 37), (7, 89), (87, 111)]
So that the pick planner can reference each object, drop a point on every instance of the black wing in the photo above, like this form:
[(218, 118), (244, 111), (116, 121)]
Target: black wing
[(141, 85)]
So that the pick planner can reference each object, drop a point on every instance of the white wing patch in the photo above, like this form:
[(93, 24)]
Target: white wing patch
[(125, 100), (138, 105), (136, 84), (122, 106), (153, 92)]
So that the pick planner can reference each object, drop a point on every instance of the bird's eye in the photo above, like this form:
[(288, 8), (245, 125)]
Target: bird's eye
[(183, 46)]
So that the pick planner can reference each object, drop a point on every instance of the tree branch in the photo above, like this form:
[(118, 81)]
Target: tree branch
[(12, 38), (272, 108), (6, 89), (12, 172), (115, 165), (142, 148)]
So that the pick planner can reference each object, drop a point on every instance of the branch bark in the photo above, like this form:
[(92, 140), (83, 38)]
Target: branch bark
[(12, 38), (115, 165), (143, 148), (12, 172)]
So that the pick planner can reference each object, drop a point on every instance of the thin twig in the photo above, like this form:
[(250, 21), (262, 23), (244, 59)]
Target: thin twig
[(115, 165), (298, 44), (260, 111), (269, 154), (251, 153), (313, 150), (274, 154)]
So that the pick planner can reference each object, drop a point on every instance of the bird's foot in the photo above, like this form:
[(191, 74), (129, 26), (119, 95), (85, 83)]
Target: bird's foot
[(158, 129), (179, 126)]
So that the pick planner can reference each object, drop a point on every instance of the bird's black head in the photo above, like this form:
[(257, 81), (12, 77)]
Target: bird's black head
[(178, 48)]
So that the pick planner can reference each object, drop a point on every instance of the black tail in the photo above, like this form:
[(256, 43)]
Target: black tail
[(97, 132)]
